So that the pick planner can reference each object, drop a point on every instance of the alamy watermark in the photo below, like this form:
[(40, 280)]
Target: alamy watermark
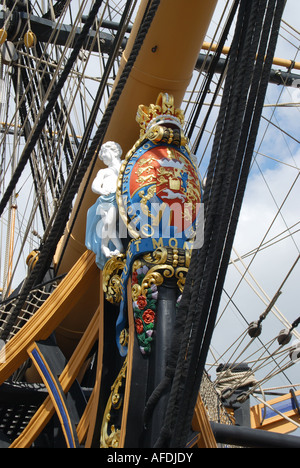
[(154, 220)]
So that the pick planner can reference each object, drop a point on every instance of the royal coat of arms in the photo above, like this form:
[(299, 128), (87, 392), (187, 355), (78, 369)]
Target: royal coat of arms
[(160, 193), (159, 190)]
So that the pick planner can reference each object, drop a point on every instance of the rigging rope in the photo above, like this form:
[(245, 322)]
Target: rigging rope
[(91, 155), (250, 63), (230, 378), (209, 77), (52, 100)]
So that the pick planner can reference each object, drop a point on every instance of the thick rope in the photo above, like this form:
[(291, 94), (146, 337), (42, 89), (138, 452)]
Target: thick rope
[(233, 204), (189, 285), (229, 379), (236, 132)]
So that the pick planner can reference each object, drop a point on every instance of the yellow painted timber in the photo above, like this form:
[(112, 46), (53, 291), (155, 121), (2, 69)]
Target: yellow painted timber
[(289, 64), (277, 422), (202, 425), (71, 442), (93, 410), (131, 331), (84, 423), (50, 314)]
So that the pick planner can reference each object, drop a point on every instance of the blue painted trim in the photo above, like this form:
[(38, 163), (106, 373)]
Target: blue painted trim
[(282, 406), (56, 396)]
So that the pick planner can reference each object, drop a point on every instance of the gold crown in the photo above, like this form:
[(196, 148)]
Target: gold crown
[(163, 112)]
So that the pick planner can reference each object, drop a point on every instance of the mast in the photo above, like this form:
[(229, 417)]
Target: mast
[(165, 64), (10, 249)]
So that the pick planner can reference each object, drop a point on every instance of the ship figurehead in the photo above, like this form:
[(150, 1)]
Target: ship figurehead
[(158, 197), (143, 227)]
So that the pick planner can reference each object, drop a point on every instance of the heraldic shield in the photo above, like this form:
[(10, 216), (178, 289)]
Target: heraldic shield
[(160, 193)]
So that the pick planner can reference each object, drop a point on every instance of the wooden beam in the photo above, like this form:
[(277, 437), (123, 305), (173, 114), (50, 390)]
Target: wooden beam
[(202, 425), (278, 414), (131, 331), (289, 64), (93, 411), (49, 316)]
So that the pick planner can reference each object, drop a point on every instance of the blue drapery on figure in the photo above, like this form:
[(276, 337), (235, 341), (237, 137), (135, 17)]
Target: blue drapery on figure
[(95, 224)]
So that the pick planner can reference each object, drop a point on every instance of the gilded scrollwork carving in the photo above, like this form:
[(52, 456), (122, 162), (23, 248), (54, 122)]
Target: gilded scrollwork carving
[(159, 255), (167, 262), (111, 278), (148, 274), (110, 430), (180, 274), (155, 276)]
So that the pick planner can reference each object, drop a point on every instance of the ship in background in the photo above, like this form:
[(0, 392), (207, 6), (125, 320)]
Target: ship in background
[(198, 99)]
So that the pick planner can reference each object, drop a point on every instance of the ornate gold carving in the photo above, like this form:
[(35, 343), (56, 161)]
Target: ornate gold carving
[(160, 123), (110, 434), (164, 110), (163, 263), (171, 256), (124, 337), (154, 277), (111, 278), (160, 255), (136, 291), (180, 274)]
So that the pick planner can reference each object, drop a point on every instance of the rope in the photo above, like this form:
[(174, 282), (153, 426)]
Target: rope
[(52, 100), (59, 223), (284, 416), (189, 296), (209, 78), (237, 182), (231, 379), (236, 132), (189, 285)]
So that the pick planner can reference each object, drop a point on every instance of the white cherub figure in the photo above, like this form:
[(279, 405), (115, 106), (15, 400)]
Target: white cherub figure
[(101, 231)]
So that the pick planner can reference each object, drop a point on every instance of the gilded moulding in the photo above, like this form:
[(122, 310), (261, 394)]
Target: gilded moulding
[(110, 432), (112, 278)]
